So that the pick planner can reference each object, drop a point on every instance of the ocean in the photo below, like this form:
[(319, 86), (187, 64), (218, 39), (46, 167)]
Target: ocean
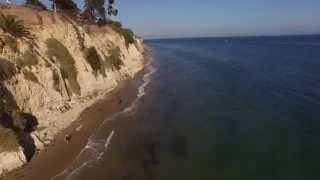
[(215, 108)]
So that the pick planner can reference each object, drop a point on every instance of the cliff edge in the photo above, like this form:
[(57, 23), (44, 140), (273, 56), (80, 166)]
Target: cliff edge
[(49, 76)]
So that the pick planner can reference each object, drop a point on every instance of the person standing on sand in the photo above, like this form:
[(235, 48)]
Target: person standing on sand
[(67, 138)]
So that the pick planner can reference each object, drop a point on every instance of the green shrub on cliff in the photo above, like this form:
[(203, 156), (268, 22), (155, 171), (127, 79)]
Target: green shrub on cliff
[(114, 60), (95, 61), (67, 7), (128, 36), (61, 56), (12, 25), (115, 24)]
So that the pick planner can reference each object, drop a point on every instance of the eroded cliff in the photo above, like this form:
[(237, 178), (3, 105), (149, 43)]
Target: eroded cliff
[(47, 79)]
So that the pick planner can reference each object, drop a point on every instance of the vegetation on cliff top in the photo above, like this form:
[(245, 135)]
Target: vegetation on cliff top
[(94, 12), (127, 34), (12, 25), (36, 3), (13, 29), (66, 6)]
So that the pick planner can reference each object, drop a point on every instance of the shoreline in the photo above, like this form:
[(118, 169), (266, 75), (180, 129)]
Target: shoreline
[(56, 157)]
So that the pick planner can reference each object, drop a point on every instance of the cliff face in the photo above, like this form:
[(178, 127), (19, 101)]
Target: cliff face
[(46, 81)]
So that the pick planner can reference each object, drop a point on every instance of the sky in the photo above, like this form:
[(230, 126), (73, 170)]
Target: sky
[(203, 18)]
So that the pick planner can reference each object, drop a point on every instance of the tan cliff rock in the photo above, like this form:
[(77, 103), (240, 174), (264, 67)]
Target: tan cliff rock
[(52, 78)]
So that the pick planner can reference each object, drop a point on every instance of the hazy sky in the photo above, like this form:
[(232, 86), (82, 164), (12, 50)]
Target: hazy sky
[(189, 18)]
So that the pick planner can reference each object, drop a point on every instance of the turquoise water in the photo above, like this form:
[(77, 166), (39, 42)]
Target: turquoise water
[(221, 108)]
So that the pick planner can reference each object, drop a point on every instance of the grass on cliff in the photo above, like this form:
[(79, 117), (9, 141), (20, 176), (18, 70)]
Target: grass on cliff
[(61, 56), (95, 61), (127, 34), (114, 60)]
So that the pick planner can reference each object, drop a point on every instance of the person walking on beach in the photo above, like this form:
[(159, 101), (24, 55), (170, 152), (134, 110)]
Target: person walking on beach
[(67, 138)]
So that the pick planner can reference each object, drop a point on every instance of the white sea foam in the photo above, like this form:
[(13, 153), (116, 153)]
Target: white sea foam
[(96, 148)]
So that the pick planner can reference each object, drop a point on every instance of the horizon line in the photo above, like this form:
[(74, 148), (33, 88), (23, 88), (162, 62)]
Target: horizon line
[(235, 36)]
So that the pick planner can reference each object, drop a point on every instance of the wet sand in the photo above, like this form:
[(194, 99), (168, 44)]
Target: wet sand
[(57, 157)]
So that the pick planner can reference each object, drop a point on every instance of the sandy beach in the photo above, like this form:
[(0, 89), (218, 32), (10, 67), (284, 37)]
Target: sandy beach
[(59, 155)]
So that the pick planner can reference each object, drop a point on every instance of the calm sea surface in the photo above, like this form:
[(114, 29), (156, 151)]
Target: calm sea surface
[(220, 108)]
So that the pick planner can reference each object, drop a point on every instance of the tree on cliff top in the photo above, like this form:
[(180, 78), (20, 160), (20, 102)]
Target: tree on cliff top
[(66, 6), (36, 3), (111, 10), (93, 10)]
